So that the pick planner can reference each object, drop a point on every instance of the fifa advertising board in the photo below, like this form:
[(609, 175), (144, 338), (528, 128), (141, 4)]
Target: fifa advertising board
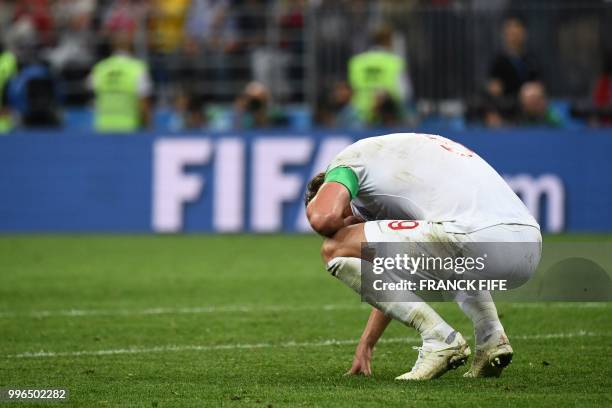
[(254, 181)]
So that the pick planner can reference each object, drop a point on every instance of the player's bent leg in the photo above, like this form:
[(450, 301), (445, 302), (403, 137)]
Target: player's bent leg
[(515, 258), (443, 348)]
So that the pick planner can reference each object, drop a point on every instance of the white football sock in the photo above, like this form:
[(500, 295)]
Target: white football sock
[(434, 331), (479, 307)]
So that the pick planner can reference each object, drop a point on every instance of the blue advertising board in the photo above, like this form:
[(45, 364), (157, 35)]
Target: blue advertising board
[(254, 181)]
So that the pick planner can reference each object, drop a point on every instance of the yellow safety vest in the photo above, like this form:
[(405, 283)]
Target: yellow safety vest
[(8, 68), (370, 72), (115, 83)]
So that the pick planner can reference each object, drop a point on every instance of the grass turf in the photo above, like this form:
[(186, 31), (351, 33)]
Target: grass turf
[(247, 321)]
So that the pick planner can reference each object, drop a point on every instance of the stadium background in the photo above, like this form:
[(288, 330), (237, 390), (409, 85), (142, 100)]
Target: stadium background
[(95, 295), (60, 174)]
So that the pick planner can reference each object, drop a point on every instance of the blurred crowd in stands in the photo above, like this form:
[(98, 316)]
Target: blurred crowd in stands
[(251, 64)]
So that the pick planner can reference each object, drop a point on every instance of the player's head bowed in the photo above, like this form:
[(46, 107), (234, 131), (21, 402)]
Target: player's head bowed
[(313, 187)]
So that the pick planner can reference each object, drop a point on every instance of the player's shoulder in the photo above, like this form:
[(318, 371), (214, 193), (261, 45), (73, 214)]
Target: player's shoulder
[(384, 143), (392, 138), (374, 146)]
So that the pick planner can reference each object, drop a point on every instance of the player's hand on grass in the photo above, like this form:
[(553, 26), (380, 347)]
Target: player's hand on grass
[(361, 361)]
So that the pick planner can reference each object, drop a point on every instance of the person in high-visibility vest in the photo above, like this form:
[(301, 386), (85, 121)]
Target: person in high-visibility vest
[(122, 88), (375, 71), (8, 68)]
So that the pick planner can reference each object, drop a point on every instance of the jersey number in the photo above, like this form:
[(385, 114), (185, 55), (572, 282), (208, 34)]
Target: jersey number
[(403, 225), (453, 147)]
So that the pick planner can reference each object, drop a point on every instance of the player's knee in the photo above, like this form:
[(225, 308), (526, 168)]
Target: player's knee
[(329, 249), (333, 248), (345, 243)]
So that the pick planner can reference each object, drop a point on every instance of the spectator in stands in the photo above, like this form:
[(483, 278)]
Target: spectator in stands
[(602, 94), (492, 118), (253, 110), (73, 56), (32, 92), (252, 59), (291, 23), (378, 69), (210, 24), (33, 95), (210, 32), (513, 66), (387, 112), (167, 24), (251, 22), (189, 112), (38, 13), (124, 15), (491, 111), (7, 12), (335, 110), (535, 110), (341, 111), (122, 88)]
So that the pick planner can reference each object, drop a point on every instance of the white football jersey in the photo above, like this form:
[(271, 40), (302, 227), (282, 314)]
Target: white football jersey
[(427, 177)]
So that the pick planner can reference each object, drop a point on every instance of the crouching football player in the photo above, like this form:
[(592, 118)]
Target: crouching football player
[(423, 188)]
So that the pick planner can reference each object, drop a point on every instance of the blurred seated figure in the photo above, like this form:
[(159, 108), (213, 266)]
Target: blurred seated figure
[(378, 69), (122, 88), (492, 118), (253, 109), (513, 66), (535, 110), (387, 112), (491, 111), (337, 110), (189, 112)]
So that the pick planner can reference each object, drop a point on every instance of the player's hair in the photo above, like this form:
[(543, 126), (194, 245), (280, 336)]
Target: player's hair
[(313, 187)]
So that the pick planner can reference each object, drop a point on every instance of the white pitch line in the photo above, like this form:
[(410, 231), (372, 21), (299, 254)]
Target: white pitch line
[(179, 310), (252, 309), (563, 305), (252, 346)]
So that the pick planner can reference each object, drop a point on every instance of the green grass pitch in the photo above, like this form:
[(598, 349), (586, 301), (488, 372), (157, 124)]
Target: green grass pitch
[(253, 321)]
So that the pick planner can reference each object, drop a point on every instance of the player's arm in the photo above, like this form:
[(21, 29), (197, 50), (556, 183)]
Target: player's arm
[(327, 211), (330, 209), (377, 323)]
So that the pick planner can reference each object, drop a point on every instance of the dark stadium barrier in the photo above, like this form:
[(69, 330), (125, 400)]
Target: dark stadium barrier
[(254, 182)]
